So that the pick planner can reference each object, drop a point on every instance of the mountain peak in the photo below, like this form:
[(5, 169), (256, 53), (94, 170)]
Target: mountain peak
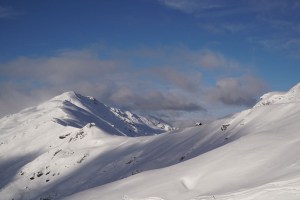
[(291, 96), (66, 96), (81, 101), (75, 110)]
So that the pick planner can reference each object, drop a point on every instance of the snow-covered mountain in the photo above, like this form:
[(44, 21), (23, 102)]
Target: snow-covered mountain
[(280, 97), (54, 151), (28, 138), (75, 110)]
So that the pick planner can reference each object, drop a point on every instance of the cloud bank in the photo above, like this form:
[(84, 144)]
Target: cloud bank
[(178, 85), (239, 91)]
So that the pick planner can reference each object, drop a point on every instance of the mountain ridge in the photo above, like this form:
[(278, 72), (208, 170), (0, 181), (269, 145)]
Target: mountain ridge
[(73, 109)]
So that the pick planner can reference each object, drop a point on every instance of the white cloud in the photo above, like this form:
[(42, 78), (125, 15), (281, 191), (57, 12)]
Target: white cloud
[(185, 6), (241, 91), (182, 57), (178, 85), (191, 6), (208, 59), (112, 81), (186, 80), (62, 68)]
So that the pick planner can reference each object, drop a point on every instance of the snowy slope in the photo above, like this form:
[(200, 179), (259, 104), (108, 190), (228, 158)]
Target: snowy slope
[(254, 154), (256, 157), (43, 140), (281, 97)]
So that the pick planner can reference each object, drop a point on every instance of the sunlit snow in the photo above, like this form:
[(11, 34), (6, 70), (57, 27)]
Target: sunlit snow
[(74, 147)]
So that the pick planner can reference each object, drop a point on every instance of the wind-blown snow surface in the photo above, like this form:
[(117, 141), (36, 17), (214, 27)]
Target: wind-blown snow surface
[(251, 155)]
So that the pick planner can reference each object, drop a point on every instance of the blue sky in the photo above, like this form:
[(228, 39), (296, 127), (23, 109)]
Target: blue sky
[(168, 57)]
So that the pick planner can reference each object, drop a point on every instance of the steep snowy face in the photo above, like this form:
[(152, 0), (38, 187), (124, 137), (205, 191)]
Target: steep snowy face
[(293, 95)]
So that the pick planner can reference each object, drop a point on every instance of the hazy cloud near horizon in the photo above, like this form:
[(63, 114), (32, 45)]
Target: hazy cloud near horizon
[(241, 91), (177, 85)]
